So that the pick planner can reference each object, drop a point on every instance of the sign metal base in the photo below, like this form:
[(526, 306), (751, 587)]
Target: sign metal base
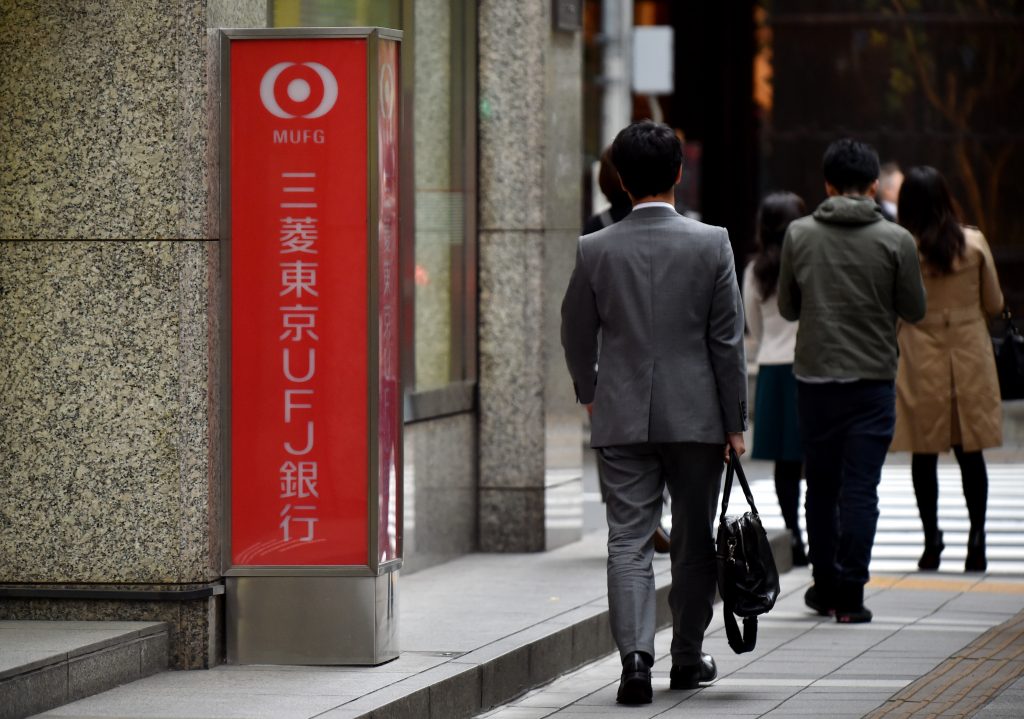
[(301, 620)]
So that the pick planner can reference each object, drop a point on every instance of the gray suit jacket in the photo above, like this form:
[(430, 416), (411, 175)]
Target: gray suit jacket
[(661, 290)]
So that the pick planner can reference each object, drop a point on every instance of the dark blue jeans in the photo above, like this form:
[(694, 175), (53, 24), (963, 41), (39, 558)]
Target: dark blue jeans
[(846, 431)]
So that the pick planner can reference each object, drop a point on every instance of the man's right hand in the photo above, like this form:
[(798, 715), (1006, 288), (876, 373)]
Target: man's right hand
[(734, 440)]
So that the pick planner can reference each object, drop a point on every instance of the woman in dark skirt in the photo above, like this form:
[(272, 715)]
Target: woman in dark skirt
[(776, 432)]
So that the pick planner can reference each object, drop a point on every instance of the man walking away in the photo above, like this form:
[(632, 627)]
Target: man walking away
[(668, 400), (848, 275)]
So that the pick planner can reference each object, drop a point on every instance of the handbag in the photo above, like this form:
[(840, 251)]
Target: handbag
[(748, 580), (1009, 353)]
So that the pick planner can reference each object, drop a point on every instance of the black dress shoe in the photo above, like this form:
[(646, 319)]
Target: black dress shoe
[(635, 686), (689, 676)]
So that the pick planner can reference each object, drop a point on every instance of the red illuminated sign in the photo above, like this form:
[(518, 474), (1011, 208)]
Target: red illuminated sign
[(302, 376)]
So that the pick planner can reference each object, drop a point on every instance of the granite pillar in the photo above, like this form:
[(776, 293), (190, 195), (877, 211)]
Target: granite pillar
[(109, 299), (529, 212)]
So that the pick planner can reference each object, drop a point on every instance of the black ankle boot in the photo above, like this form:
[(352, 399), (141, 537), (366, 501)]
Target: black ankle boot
[(976, 561), (933, 547), (799, 555)]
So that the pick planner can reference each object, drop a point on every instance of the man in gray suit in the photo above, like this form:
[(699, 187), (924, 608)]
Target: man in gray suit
[(668, 401)]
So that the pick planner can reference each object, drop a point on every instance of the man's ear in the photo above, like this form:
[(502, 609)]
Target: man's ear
[(679, 175), (831, 190), (872, 189)]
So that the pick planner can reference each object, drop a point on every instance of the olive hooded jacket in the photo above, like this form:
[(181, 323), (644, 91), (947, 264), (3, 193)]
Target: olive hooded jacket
[(848, 275)]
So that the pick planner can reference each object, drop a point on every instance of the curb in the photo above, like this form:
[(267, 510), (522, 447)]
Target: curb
[(477, 681)]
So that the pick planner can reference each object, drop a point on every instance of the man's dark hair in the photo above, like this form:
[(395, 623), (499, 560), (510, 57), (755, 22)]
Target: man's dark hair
[(850, 166), (648, 156)]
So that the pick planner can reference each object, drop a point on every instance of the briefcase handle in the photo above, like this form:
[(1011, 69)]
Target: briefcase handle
[(735, 468)]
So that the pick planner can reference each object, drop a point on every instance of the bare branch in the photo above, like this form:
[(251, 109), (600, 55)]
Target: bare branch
[(970, 180), (922, 73), (995, 177)]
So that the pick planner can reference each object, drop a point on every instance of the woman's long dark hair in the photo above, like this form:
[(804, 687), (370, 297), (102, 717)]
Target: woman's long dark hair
[(777, 210), (926, 209)]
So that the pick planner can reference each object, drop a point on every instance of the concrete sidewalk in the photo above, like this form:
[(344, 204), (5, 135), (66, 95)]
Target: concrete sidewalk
[(487, 629), (938, 647), (475, 632)]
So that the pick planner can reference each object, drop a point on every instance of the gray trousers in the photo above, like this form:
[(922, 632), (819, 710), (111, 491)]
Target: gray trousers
[(634, 476)]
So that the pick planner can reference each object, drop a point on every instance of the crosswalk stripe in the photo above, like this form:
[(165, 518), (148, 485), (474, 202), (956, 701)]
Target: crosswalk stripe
[(898, 542)]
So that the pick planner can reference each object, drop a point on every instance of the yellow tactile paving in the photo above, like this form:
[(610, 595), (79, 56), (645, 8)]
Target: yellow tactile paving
[(942, 584)]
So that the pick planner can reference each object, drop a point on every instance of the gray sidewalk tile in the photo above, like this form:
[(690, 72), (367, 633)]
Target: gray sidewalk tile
[(518, 712), (851, 709), (182, 705), (553, 700), (243, 681)]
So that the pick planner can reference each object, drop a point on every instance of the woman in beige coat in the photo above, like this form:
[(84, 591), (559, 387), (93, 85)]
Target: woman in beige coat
[(947, 392)]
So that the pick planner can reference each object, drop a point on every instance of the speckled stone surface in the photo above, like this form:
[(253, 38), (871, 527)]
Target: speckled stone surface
[(514, 38), (432, 94), (109, 372), (530, 124), (236, 13), (440, 481), (105, 396), (508, 520), (563, 133), (511, 366), (104, 127)]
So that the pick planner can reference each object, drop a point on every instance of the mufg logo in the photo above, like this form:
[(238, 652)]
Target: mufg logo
[(289, 90)]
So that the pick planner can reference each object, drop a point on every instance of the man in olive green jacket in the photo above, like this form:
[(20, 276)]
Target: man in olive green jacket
[(848, 275)]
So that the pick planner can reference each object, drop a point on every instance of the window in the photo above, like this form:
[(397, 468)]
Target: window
[(439, 78)]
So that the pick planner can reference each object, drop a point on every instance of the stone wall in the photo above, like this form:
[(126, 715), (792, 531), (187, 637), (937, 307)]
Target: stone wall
[(530, 139), (109, 299)]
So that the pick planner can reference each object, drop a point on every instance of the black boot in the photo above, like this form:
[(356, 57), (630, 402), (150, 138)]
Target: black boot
[(850, 607), (976, 561), (799, 555), (933, 547)]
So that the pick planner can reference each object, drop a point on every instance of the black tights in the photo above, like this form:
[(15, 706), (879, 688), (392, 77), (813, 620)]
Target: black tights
[(787, 487), (924, 470)]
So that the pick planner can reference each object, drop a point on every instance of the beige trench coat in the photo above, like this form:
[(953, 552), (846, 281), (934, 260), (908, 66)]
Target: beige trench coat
[(947, 391)]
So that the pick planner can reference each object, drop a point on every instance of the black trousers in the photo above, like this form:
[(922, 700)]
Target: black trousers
[(846, 430), (973, 476)]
